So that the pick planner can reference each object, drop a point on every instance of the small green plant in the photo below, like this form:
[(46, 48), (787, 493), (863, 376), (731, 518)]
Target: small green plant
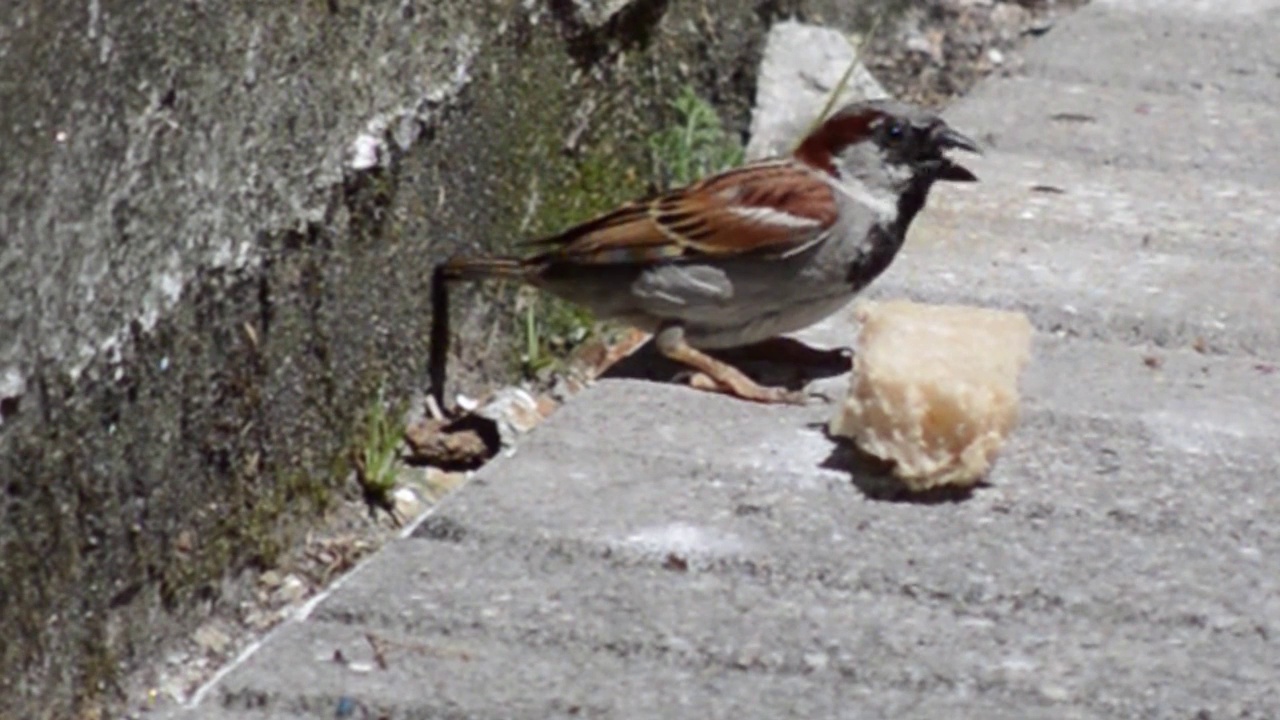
[(377, 453), (695, 146), (551, 328)]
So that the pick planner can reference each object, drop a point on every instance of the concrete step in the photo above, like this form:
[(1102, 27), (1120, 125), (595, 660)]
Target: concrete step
[(1167, 262), (1222, 49), (1205, 132), (1024, 199), (1137, 298), (468, 676), (662, 633)]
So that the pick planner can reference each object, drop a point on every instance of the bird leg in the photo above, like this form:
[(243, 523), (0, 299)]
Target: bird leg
[(727, 379)]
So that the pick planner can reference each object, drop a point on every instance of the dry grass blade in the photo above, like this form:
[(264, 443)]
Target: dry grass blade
[(843, 83)]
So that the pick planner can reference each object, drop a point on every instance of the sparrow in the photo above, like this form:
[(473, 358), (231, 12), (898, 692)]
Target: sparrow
[(750, 253)]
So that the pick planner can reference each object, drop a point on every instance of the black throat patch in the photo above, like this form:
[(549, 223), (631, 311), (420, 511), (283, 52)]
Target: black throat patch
[(886, 240)]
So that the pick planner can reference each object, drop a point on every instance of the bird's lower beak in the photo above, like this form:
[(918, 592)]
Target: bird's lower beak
[(954, 172), (949, 139)]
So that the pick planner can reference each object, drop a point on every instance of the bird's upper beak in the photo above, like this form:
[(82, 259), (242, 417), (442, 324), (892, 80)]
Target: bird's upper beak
[(948, 139)]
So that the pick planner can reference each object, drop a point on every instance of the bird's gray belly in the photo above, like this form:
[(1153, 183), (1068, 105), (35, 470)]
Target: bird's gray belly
[(764, 325), (739, 303), (720, 303)]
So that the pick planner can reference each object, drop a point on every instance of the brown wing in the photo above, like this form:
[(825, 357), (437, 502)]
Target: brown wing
[(774, 207)]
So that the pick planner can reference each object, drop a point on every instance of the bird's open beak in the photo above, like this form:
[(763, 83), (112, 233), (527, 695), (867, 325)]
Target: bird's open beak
[(949, 139)]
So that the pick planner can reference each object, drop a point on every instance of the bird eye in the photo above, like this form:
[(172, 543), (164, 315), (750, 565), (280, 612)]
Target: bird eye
[(896, 131)]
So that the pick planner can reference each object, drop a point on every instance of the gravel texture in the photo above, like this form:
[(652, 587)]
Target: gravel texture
[(940, 48)]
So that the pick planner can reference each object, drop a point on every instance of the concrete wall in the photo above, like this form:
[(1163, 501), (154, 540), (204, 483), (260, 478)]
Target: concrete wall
[(217, 219)]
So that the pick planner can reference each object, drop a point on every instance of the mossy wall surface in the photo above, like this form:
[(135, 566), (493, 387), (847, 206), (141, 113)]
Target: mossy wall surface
[(217, 221)]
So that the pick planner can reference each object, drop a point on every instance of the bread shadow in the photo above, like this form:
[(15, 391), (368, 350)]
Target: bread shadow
[(779, 362), (874, 476)]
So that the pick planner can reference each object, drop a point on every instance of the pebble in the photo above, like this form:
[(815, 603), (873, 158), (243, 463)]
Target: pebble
[(291, 590), (1053, 692), (816, 661), (408, 504), (212, 638), (514, 411)]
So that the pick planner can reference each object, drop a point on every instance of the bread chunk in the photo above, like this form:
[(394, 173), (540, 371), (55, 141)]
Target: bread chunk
[(934, 389)]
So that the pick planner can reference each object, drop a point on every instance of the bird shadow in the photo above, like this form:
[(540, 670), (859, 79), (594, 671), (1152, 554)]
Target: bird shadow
[(779, 362), (790, 363), (874, 476)]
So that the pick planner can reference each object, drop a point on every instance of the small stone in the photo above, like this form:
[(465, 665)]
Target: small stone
[(816, 661), (1053, 692), (212, 638), (441, 443), (1008, 19), (12, 383), (364, 152), (442, 482), (595, 13), (184, 542), (415, 477), (514, 410), (429, 483), (173, 689), (566, 387), (270, 579), (291, 590), (407, 503), (260, 620), (547, 405), (917, 42)]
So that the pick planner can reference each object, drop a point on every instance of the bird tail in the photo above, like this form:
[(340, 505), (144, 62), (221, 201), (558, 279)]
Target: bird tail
[(487, 268)]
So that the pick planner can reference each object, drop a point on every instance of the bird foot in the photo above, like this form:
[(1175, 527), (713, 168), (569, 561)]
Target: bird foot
[(748, 391)]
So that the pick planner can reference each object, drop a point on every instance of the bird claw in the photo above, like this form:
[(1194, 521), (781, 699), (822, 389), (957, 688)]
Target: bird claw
[(754, 393)]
